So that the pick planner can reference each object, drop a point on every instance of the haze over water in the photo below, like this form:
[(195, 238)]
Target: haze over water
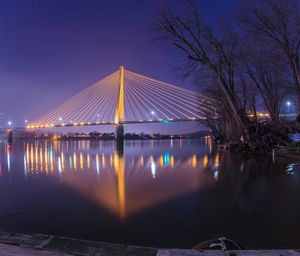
[(167, 193)]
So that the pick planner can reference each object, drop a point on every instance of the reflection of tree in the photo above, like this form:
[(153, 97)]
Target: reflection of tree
[(247, 177)]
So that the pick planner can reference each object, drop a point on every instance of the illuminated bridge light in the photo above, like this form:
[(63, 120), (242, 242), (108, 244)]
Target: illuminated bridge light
[(75, 124)]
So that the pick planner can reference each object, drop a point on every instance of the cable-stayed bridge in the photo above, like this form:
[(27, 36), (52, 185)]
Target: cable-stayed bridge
[(125, 97)]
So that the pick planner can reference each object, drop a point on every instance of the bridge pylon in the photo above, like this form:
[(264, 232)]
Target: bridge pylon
[(119, 114)]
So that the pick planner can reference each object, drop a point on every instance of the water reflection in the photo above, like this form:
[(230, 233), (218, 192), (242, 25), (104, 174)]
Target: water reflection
[(291, 168), (8, 155), (123, 172), (42, 157), (162, 189)]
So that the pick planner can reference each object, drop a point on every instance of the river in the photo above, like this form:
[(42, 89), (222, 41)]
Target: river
[(166, 193)]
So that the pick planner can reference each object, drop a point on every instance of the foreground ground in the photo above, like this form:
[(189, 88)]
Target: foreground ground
[(38, 244)]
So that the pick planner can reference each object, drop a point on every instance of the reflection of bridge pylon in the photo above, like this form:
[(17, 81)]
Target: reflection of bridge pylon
[(119, 114), (119, 166)]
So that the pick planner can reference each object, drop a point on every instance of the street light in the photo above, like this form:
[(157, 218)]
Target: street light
[(153, 114), (288, 103), (9, 123)]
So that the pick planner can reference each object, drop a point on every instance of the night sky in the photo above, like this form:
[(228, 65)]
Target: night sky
[(51, 49)]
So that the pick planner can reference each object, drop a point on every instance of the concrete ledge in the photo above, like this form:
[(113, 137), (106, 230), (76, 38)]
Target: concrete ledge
[(39, 244), (70, 246), (191, 252), (13, 250)]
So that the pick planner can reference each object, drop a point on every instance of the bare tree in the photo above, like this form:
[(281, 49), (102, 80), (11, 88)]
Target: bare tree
[(276, 22), (241, 67), (215, 53), (267, 71)]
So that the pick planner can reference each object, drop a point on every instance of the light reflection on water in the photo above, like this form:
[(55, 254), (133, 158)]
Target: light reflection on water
[(105, 162), (65, 159), (146, 192), (56, 156)]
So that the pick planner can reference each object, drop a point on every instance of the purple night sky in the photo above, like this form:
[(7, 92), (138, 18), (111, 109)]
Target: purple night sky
[(51, 49)]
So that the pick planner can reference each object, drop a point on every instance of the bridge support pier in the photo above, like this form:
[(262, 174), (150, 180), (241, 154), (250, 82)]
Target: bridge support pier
[(119, 132)]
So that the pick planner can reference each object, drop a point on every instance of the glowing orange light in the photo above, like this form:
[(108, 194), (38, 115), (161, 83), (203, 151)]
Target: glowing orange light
[(88, 159), (161, 161), (194, 161), (205, 161), (217, 160), (172, 161), (81, 161)]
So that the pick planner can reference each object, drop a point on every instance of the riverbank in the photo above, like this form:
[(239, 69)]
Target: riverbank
[(38, 244), (95, 136)]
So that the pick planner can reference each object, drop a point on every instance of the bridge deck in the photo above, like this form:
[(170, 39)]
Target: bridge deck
[(121, 122)]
